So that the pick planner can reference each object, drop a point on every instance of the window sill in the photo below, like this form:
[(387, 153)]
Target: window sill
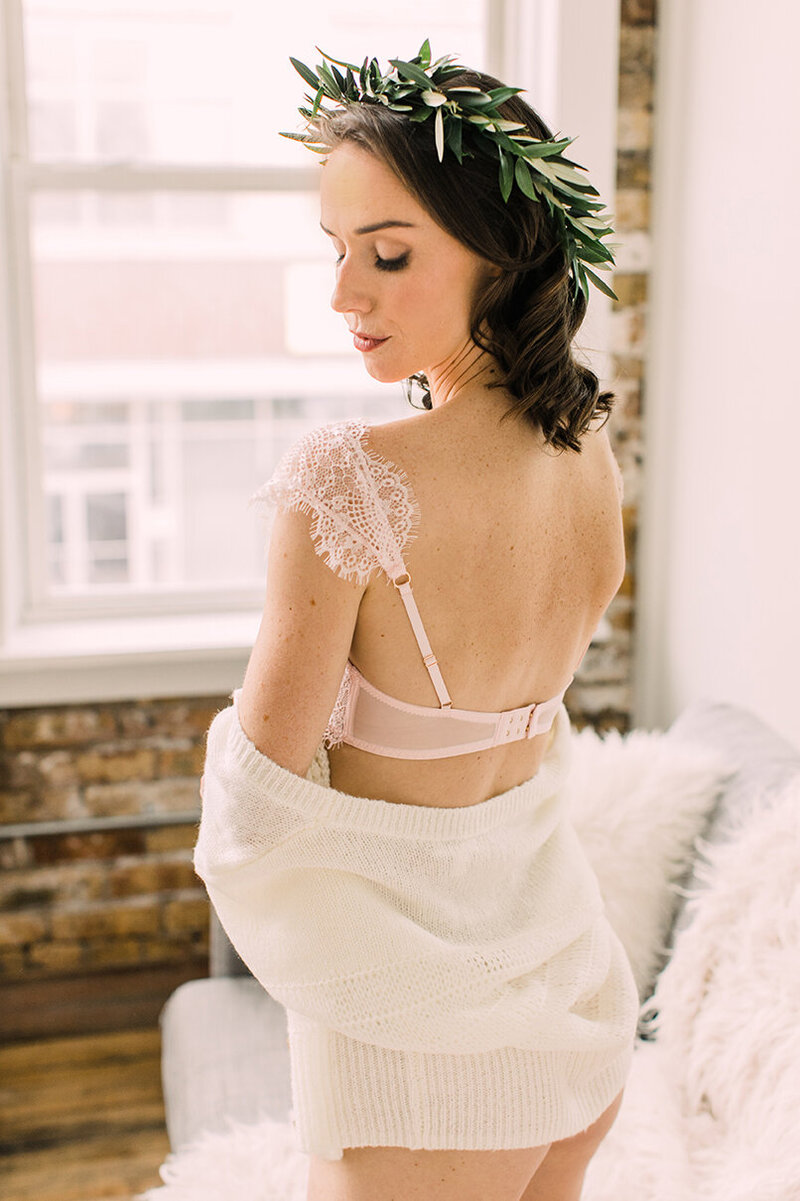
[(126, 659)]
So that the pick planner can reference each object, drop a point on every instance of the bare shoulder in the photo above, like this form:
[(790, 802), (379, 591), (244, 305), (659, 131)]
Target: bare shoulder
[(598, 440), (401, 437), (445, 450)]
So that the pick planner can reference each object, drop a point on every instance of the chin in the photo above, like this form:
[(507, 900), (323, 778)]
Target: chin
[(384, 373)]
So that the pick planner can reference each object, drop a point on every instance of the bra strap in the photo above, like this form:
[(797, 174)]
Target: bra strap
[(403, 586)]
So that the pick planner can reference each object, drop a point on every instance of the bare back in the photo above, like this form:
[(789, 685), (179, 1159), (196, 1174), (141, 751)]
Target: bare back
[(519, 553)]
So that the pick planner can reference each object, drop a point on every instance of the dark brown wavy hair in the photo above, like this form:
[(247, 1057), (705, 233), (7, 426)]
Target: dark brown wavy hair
[(527, 316)]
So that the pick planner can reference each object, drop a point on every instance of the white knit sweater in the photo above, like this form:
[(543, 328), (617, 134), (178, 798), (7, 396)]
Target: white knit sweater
[(449, 975)]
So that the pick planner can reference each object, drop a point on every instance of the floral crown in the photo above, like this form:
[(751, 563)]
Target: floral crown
[(467, 120)]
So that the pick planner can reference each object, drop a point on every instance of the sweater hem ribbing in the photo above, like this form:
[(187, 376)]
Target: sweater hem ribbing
[(496, 1100), (373, 815)]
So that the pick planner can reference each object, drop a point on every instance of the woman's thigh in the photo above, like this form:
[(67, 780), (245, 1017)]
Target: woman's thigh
[(560, 1174), (402, 1174)]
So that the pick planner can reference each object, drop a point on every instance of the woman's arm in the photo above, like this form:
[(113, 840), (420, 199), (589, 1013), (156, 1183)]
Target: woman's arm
[(301, 649)]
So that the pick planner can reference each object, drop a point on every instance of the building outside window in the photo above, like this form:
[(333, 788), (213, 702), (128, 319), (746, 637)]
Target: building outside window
[(165, 329), (180, 330)]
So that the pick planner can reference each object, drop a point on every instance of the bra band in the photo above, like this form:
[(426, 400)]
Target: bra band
[(376, 722), (384, 725)]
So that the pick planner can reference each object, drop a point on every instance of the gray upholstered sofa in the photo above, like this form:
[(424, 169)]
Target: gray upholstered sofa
[(225, 1052)]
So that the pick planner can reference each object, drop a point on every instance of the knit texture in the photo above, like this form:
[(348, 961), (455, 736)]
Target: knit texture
[(449, 974)]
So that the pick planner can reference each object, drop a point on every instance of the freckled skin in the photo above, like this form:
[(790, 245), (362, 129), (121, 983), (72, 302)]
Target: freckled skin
[(407, 286)]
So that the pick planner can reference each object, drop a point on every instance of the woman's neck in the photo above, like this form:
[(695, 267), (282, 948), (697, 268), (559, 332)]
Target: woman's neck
[(466, 373)]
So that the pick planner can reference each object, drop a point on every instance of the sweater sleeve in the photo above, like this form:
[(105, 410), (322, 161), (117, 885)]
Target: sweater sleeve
[(369, 918), (363, 508)]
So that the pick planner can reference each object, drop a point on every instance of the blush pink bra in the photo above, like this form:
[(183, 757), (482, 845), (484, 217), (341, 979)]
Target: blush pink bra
[(364, 513), (377, 722)]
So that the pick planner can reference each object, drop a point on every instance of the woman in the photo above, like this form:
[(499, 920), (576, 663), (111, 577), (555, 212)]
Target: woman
[(461, 1015)]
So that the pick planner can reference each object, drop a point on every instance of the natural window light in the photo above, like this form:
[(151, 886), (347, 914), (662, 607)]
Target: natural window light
[(165, 330), (181, 337)]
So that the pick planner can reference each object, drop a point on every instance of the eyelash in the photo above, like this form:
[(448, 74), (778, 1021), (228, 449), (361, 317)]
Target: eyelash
[(386, 264), (391, 264)]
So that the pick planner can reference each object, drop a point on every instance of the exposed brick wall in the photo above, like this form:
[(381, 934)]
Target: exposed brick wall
[(601, 693), (75, 904)]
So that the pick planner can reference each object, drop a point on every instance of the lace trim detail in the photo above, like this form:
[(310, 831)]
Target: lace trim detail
[(364, 512), (320, 770), (334, 731)]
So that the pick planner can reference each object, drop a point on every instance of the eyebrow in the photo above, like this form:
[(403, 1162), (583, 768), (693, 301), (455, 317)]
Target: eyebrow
[(371, 229)]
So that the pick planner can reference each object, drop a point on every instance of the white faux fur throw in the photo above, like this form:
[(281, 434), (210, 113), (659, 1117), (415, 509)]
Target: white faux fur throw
[(712, 1109)]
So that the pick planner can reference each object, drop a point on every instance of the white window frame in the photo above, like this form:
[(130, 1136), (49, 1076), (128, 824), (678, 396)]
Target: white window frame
[(564, 50)]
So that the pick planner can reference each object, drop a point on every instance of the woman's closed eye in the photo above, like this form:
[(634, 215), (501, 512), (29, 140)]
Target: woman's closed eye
[(395, 264)]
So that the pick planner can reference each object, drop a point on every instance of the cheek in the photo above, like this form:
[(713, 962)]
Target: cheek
[(437, 304)]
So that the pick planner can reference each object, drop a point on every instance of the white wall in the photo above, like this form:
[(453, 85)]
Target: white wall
[(719, 555)]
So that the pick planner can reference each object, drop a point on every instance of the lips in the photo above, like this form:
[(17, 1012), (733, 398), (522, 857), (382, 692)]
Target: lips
[(365, 342)]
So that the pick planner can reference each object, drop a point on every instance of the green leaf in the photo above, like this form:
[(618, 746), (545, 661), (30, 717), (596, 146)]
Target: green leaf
[(351, 66), (598, 255), (571, 174), (578, 198), (425, 53), (578, 224), (601, 284), (553, 207), (332, 88), (337, 75), (594, 223), (506, 175), (442, 74), (581, 283), (317, 101), (452, 133), (532, 149), (587, 207), (296, 137), (362, 74), (409, 71), (472, 100), (439, 134), (523, 178), (499, 95), (306, 72), (503, 139)]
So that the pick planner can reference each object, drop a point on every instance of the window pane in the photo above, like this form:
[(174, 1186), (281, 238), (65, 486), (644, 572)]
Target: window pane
[(207, 80), (106, 519), (174, 366)]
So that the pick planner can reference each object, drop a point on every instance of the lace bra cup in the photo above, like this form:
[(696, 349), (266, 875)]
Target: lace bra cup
[(364, 514)]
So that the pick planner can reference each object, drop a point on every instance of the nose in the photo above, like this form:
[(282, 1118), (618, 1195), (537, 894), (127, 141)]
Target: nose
[(349, 293)]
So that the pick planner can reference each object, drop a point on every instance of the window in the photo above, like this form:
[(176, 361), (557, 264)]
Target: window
[(165, 309)]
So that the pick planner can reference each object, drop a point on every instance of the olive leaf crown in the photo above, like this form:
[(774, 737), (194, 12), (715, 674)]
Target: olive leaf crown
[(468, 120)]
